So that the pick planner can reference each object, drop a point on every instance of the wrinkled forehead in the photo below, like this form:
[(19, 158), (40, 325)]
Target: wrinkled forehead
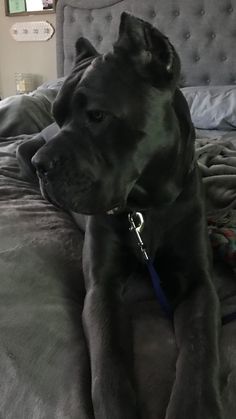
[(102, 67), (108, 76)]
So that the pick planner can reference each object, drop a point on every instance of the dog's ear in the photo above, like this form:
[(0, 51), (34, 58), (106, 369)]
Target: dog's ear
[(84, 49), (132, 33), (149, 48), (85, 53)]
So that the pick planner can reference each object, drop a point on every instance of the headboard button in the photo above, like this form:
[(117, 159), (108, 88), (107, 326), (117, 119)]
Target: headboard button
[(100, 38), (153, 14), (202, 12), (187, 35), (230, 9), (109, 18), (176, 13), (213, 35), (196, 58), (89, 18), (223, 58)]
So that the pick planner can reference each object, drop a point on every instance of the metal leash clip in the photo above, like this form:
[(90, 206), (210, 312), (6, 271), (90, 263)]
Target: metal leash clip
[(136, 221)]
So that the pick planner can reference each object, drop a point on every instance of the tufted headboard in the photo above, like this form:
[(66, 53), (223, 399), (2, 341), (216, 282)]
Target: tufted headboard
[(202, 31)]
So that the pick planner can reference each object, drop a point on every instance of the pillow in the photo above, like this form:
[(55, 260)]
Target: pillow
[(52, 84), (212, 107), (29, 113)]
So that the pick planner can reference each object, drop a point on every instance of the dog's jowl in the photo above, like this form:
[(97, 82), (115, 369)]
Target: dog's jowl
[(126, 145)]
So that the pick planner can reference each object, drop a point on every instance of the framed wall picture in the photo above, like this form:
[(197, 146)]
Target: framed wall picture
[(26, 7), (16, 6)]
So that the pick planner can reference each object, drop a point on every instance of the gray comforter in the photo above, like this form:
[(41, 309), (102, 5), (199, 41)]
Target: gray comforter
[(42, 346)]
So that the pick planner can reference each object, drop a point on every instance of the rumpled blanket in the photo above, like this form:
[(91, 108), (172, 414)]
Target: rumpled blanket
[(217, 162)]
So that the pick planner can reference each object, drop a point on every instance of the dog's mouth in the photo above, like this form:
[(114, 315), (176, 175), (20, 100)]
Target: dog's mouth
[(135, 200), (48, 197), (81, 206)]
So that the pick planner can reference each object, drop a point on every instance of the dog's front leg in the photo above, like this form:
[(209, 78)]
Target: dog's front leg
[(103, 318), (195, 392)]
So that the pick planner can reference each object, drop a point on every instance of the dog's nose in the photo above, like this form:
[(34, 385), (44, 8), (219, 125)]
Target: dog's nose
[(44, 164)]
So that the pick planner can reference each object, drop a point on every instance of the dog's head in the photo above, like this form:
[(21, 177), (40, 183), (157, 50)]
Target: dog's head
[(118, 138)]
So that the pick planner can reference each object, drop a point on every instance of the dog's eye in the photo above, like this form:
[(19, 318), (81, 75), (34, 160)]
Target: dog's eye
[(96, 116)]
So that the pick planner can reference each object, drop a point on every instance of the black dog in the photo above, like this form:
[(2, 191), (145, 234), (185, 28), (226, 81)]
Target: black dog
[(126, 144)]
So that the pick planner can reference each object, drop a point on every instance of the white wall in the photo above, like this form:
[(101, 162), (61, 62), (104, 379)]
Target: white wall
[(38, 58)]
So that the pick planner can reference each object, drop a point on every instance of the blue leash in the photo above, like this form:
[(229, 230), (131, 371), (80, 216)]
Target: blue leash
[(228, 318), (164, 303), (136, 224)]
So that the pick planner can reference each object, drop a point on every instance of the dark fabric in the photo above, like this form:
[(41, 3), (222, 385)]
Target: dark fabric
[(223, 240), (26, 114)]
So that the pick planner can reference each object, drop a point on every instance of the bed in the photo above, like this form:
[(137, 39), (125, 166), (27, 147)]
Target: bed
[(42, 346)]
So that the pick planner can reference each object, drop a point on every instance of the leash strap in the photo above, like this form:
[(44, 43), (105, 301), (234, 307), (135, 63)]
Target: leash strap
[(159, 291), (228, 318), (136, 224)]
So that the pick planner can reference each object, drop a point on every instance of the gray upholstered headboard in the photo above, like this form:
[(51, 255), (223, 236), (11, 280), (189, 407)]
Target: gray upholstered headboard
[(203, 32)]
